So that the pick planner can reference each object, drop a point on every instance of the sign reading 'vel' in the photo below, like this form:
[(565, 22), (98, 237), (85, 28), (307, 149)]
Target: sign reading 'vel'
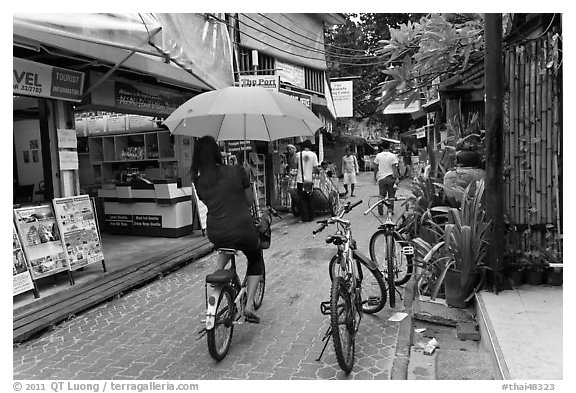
[(41, 80)]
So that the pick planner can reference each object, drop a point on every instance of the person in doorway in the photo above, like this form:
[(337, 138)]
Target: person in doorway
[(290, 158), (226, 191), (307, 161), (386, 174), (407, 158), (350, 170)]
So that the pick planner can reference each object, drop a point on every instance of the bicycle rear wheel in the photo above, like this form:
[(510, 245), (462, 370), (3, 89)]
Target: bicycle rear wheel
[(259, 297), (403, 266), (342, 323), (220, 336), (390, 268)]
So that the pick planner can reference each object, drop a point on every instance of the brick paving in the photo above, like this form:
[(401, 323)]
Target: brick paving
[(151, 332)]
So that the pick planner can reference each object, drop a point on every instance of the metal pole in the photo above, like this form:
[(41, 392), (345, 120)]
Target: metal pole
[(494, 145)]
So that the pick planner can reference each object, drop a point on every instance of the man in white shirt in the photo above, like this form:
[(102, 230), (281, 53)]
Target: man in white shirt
[(307, 161), (386, 174), (350, 170)]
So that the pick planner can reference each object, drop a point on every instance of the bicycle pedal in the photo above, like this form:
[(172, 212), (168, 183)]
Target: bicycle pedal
[(373, 300), (325, 308)]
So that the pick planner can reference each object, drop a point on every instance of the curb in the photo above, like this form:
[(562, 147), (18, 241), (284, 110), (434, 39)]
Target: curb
[(401, 360)]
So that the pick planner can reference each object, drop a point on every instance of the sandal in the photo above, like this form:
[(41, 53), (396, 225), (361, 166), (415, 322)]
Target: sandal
[(251, 317)]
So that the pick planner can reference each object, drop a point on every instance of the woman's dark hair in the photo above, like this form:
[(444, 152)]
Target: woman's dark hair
[(205, 161)]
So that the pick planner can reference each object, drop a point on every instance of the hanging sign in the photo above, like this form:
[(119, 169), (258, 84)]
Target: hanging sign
[(21, 276), (40, 240), (304, 98), (269, 82), (342, 98), (77, 223), (41, 80)]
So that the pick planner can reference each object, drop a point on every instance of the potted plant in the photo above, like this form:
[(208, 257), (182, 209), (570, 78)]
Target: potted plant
[(457, 262)]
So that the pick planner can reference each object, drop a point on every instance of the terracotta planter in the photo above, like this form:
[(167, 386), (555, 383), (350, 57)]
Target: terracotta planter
[(455, 292), (535, 277)]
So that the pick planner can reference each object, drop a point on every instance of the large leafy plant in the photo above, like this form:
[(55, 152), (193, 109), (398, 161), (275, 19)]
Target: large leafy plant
[(464, 243)]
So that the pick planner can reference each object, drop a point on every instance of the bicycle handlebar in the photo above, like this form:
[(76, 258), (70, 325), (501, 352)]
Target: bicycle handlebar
[(346, 209), (384, 201)]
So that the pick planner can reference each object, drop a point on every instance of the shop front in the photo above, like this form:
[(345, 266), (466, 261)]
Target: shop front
[(90, 155)]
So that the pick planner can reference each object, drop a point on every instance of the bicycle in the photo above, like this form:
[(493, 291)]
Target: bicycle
[(226, 299), (346, 306), (396, 262)]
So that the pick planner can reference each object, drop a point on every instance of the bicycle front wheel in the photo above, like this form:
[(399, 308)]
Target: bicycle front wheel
[(402, 263), (259, 297), (220, 336), (342, 322)]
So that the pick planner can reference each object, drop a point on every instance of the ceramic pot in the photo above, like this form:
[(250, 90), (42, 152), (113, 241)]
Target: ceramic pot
[(455, 292), (535, 277), (555, 277), (517, 277)]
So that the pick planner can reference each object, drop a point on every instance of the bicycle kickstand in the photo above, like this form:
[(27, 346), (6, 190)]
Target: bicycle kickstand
[(326, 337), (398, 292)]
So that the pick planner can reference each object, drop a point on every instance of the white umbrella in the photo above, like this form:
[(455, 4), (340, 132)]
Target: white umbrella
[(243, 113)]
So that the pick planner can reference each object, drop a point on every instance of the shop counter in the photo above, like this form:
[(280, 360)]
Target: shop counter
[(159, 208)]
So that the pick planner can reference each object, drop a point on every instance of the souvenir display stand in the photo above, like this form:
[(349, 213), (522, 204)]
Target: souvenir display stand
[(22, 279), (79, 231), (41, 241)]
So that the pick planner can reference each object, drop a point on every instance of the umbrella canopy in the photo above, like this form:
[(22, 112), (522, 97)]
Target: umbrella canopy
[(243, 113)]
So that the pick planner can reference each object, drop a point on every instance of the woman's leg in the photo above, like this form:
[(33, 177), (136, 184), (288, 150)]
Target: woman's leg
[(253, 272)]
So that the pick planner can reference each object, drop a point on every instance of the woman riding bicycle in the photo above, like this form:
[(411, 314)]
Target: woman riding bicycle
[(226, 192)]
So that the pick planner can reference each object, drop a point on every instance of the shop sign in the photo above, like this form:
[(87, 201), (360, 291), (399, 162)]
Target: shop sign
[(40, 240), (68, 160), (41, 80), (130, 221), (342, 98), (21, 276), (67, 139), (399, 107), (236, 146), (77, 222), (421, 134), (269, 82), (306, 99), (147, 98), (290, 73)]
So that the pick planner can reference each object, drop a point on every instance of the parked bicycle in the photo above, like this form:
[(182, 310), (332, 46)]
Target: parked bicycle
[(226, 298), (347, 271), (391, 250)]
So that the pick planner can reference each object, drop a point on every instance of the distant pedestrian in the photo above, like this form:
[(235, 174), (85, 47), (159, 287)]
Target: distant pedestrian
[(386, 174), (307, 161), (349, 170), (407, 158)]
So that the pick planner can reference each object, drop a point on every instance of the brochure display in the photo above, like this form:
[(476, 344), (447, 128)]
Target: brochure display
[(76, 220), (21, 276), (40, 240)]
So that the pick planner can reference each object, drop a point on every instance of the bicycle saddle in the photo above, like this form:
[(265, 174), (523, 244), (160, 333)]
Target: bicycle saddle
[(336, 239), (220, 276)]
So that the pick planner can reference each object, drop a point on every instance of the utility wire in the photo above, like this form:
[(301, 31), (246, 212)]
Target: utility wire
[(299, 44)]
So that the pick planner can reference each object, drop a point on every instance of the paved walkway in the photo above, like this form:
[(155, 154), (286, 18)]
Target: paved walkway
[(151, 332)]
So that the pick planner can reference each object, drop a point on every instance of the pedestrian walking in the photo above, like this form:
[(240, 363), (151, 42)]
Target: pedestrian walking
[(307, 161), (386, 173), (226, 192), (350, 170)]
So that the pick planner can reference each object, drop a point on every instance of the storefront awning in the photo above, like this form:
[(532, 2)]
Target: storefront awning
[(197, 57)]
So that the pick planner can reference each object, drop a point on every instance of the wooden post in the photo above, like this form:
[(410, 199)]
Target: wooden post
[(494, 151)]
